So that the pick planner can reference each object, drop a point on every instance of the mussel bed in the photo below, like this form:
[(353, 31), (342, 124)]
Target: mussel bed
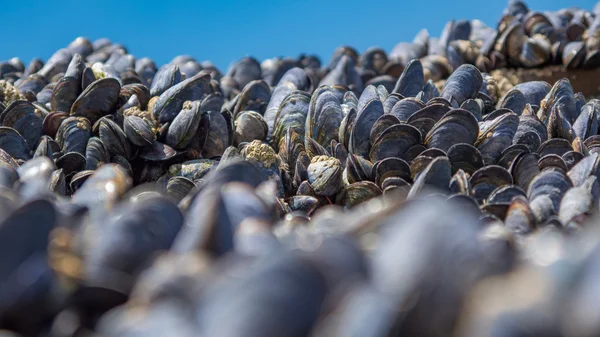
[(449, 187)]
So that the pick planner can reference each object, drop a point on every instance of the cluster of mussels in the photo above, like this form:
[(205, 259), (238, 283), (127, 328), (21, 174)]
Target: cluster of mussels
[(365, 198)]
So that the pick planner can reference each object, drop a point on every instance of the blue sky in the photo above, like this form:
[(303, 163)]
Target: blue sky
[(223, 31)]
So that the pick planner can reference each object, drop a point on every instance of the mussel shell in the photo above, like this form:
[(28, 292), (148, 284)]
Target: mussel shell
[(178, 187), (193, 169), (391, 167), (79, 178), (325, 175), (65, 93), (406, 108), (52, 122), (496, 136), (170, 102), (411, 81), (138, 131), (510, 153), (381, 125), (505, 194), (357, 169), (465, 157), (359, 143), (96, 154), (159, 152), (571, 158), (485, 180), (26, 119), (47, 147), (426, 118), (292, 114), (217, 137), (533, 91), (394, 142), (250, 126), (520, 217), (357, 193), (573, 55), (14, 145), (183, 128), (71, 163), (6, 160), (460, 185), (552, 161), (165, 78), (114, 138), (550, 183), (464, 83), (255, 96), (304, 203), (437, 175), (457, 126), (557, 146), (514, 100), (97, 100), (586, 167), (586, 124)]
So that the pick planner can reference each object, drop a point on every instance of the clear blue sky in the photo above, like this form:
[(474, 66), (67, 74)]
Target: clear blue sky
[(223, 31)]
